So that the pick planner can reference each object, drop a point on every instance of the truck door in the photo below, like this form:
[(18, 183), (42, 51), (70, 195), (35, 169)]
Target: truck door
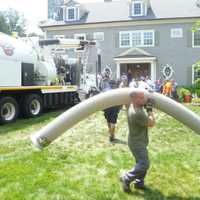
[(27, 74)]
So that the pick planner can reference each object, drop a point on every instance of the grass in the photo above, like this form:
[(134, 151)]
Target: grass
[(83, 165)]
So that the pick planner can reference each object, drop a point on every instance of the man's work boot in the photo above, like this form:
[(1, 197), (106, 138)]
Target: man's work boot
[(139, 184), (112, 138), (125, 184)]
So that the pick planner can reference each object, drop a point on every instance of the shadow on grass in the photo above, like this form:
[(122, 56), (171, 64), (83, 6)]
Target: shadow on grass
[(23, 123), (118, 141), (154, 194)]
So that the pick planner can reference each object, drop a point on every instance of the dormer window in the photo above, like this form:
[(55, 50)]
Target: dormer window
[(71, 13), (137, 8)]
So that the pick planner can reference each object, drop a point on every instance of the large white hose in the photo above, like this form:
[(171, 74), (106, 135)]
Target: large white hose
[(108, 99)]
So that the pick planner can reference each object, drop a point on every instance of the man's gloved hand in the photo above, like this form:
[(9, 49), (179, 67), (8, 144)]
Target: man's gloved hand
[(149, 105)]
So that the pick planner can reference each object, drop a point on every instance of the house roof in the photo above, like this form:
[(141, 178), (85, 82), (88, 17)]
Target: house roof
[(116, 11)]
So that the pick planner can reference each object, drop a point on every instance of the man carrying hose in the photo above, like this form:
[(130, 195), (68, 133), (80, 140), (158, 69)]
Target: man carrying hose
[(138, 121)]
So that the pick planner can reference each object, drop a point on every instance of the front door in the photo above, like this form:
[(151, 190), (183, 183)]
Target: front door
[(139, 69)]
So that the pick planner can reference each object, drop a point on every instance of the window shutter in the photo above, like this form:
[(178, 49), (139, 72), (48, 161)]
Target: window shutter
[(89, 36), (130, 10), (189, 38), (157, 38), (144, 9), (64, 14), (116, 40), (77, 14)]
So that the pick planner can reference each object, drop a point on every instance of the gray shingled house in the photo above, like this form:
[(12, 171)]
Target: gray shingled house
[(148, 37)]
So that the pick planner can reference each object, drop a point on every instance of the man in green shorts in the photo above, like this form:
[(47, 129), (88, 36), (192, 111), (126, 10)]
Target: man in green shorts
[(138, 121)]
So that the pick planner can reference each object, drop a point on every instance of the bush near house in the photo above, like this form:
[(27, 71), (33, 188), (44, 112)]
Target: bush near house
[(184, 94), (197, 81), (196, 101), (197, 87)]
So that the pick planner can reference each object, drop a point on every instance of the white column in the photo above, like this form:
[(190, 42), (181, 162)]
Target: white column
[(153, 70), (118, 70), (45, 35), (192, 74)]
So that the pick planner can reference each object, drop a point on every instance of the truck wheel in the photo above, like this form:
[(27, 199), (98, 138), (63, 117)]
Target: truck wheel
[(32, 106), (76, 99), (9, 110)]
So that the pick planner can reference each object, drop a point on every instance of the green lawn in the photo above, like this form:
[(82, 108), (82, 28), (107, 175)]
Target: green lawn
[(83, 165)]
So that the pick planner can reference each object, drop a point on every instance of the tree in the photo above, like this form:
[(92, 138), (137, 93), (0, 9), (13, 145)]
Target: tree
[(196, 26), (3, 25), (16, 21)]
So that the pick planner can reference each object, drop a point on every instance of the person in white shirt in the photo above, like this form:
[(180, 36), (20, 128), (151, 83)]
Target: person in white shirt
[(142, 84), (133, 83), (150, 83), (124, 82)]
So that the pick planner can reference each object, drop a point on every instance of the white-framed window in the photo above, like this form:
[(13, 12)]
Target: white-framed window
[(195, 74), (71, 13), (137, 8), (125, 39), (99, 36), (196, 38), (176, 33), (144, 38), (136, 39), (80, 36), (148, 38)]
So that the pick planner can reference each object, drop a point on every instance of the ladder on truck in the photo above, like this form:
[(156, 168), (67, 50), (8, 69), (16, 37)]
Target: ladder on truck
[(85, 62)]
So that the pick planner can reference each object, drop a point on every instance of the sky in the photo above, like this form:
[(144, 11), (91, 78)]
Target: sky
[(34, 11)]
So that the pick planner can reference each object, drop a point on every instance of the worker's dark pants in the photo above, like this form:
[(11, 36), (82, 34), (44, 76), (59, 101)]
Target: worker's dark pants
[(138, 173)]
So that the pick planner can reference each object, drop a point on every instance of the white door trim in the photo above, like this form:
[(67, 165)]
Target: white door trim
[(151, 60)]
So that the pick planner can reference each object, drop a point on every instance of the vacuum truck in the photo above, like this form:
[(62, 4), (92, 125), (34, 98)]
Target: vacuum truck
[(28, 78)]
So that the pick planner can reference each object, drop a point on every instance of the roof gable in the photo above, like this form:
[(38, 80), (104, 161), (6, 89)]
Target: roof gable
[(70, 3), (134, 52)]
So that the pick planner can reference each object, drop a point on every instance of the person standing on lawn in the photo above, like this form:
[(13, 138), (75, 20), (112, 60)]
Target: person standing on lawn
[(110, 114), (142, 84), (129, 76), (167, 88), (124, 82), (138, 122)]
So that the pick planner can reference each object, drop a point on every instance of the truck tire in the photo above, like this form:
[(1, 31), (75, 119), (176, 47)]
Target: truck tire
[(76, 99), (9, 110), (32, 106)]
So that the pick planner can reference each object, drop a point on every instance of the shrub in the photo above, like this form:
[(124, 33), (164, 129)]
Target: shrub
[(184, 92), (196, 101), (197, 87), (197, 83), (191, 88), (197, 92)]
